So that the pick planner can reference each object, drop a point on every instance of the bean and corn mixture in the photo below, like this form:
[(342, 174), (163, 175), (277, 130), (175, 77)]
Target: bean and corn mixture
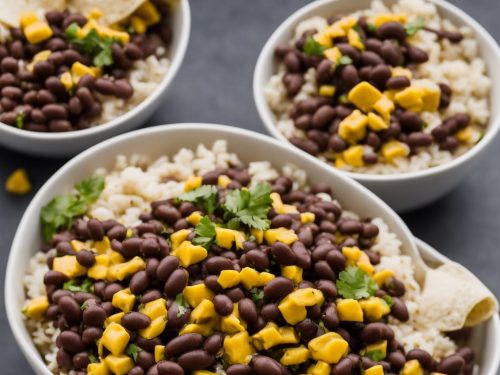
[(369, 99), (229, 277), (56, 71)]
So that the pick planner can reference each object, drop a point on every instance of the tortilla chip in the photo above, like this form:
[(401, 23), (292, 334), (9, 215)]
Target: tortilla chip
[(113, 10), (11, 10), (453, 298)]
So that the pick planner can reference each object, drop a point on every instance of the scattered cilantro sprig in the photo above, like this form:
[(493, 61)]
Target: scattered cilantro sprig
[(132, 350), (20, 120), (257, 294), (415, 26), (375, 355), (356, 284), (182, 305), (249, 207), (344, 60), (61, 210), (205, 233), (72, 286), (312, 47), (205, 196), (93, 44), (93, 358)]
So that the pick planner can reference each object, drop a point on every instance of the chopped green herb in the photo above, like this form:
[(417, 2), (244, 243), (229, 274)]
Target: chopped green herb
[(343, 99), (85, 286), (61, 210), (388, 299), (93, 44), (257, 294), (182, 305), (132, 351), (249, 207), (312, 47), (84, 305), (205, 233), (93, 358), (371, 27), (20, 120), (356, 284), (415, 26), (204, 196), (344, 60), (375, 355)]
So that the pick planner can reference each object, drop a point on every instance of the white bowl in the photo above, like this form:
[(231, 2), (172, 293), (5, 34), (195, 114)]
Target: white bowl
[(70, 143), (167, 140), (403, 192)]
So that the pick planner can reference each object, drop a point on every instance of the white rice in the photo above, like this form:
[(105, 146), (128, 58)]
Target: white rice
[(458, 65), (135, 182)]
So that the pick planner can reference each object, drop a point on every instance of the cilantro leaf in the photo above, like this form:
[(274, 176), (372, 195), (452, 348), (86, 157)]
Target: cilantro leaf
[(344, 60), (205, 196), (356, 284), (72, 286), (375, 355), (20, 120), (132, 350), (60, 211), (372, 27), (388, 299), (182, 305), (93, 44), (257, 294), (93, 358), (84, 305), (415, 26), (312, 47), (205, 232), (249, 207)]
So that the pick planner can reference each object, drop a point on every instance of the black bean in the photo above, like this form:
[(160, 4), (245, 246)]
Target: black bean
[(150, 247), (133, 52), (328, 288), (257, 259), (123, 89), (323, 270), (263, 365), (399, 310), (167, 213), (104, 86), (391, 53), (248, 311), (17, 50), (350, 77), (59, 126), (293, 83), (239, 370), (44, 69), (419, 139), (196, 360), (343, 367), (71, 56), (169, 368), (9, 65), (278, 288), (417, 55), (213, 343), (323, 116), (54, 85), (95, 229), (380, 74), (283, 254), (54, 278), (397, 83), (350, 227), (86, 81), (307, 330), (411, 121), (137, 370), (302, 255), (145, 359), (423, 357), (223, 305), (166, 267), (55, 111), (81, 360), (392, 30), (56, 44), (350, 51), (86, 258), (175, 283), (70, 308), (139, 282), (449, 144), (369, 58), (396, 359), (119, 57), (292, 62), (90, 335), (8, 79), (94, 316), (330, 317), (324, 71), (64, 359), (150, 295)]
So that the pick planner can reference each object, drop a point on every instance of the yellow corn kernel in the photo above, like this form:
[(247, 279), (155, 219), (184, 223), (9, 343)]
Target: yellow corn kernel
[(431, 98), (115, 338), (204, 313), (122, 270), (123, 300), (412, 367), (398, 71), (99, 270), (119, 364), (193, 183), (287, 236), (394, 149), (67, 80), (155, 309), (228, 278), (203, 329), (374, 308), (148, 12), (194, 218), (115, 318), (329, 347), (238, 349), (410, 97), (95, 14), (351, 253), (78, 245), (159, 353), (232, 324), (348, 22), (115, 257), (340, 162), (225, 238), (366, 268), (272, 335), (281, 208), (327, 90), (249, 277), (333, 54), (42, 55), (179, 237), (27, 18), (354, 39), (265, 277), (382, 276), (349, 310), (319, 368), (469, 135), (18, 182), (155, 328), (293, 273), (293, 306), (97, 369), (307, 218), (353, 127), (78, 70), (100, 347), (138, 24), (374, 370), (376, 123), (258, 234), (307, 297), (102, 246), (380, 347), (223, 181), (384, 106), (69, 266), (335, 30), (380, 19), (195, 294), (354, 156), (364, 96), (189, 254), (37, 32), (324, 39), (295, 356), (36, 308), (203, 372)]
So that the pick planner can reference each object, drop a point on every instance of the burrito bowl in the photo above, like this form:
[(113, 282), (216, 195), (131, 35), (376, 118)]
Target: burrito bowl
[(322, 94), (199, 260), (75, 72)]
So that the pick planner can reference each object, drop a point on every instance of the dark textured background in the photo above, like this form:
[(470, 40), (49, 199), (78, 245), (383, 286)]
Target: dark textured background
[(214, 85)]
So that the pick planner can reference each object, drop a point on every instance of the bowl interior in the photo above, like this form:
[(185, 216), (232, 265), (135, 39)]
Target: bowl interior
[(267, 66)]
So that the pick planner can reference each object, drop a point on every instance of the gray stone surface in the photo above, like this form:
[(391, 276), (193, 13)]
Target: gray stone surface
[(214, 85)]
